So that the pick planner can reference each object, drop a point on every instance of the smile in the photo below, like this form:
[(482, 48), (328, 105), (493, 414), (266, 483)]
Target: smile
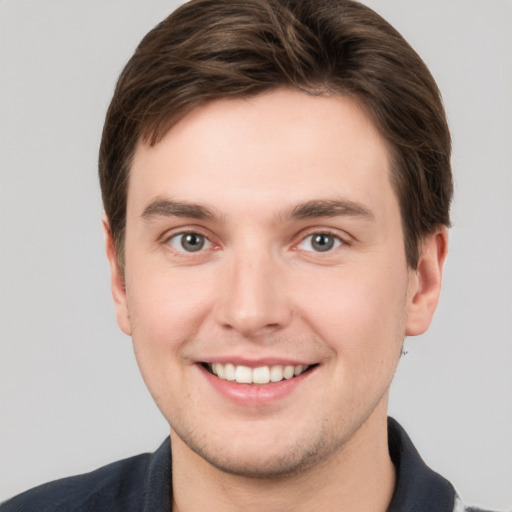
[(260, 375)]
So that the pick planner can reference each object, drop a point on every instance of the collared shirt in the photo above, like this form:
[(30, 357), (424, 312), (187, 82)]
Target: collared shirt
[(143, 484)]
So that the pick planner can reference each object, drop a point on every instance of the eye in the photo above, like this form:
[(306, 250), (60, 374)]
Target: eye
[(320, 242), (189, 242)]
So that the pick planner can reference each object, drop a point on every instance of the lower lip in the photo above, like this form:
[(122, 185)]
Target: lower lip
[(256, 394)]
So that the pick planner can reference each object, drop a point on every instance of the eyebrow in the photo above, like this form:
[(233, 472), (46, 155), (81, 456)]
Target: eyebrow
[(169, 208), (162, 207), (329, 208)]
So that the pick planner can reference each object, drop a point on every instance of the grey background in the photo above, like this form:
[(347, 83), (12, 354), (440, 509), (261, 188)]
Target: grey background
[(71, 395)]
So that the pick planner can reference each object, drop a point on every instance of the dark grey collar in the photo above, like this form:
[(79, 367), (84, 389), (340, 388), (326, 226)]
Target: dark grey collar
[(418, 488)]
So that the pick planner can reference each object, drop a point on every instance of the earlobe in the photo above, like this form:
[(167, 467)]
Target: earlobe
[(425, 284), (116, 280)]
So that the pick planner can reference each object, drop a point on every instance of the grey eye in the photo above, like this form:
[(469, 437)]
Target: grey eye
[(188, 242), (320, 242)]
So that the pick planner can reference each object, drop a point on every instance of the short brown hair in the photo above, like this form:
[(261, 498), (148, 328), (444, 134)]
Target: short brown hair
[(211, 49)]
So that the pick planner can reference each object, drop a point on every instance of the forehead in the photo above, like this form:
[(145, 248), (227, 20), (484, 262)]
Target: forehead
[(283, 146)]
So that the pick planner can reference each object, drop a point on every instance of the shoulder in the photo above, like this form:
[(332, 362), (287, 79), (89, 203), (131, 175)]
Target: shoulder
[(117, 486), (458, 506)]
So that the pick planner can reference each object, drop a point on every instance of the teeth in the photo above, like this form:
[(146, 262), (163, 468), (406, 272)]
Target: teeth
[(260, 375), (288, 372), (276, 373), (221, 372), (243, 374), (229, 371)]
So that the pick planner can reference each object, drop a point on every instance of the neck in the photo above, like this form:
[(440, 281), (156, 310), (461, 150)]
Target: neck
[(360, 476)]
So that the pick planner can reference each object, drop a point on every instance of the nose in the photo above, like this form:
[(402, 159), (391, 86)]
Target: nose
[(253, 296)]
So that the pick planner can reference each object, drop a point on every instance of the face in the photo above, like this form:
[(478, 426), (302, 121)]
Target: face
[(266, 287)]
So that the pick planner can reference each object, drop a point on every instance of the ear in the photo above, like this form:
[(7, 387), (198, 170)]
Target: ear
[(425, 282), (116, 280)]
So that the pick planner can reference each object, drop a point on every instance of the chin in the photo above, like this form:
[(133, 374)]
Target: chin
[(272, 465), (261, 455)]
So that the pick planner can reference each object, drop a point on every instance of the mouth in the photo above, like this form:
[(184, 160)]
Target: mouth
[(260, 375)]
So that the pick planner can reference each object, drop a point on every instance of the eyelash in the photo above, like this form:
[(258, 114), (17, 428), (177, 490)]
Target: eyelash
[(338, 241), (177, 236)]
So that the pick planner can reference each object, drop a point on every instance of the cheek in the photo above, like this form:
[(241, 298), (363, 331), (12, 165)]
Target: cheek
[(165, 308), (361, 315), (164, 315)]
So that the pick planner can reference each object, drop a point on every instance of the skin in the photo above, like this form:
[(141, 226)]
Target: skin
[(260, 290)]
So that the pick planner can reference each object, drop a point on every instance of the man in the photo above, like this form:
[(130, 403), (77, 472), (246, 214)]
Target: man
[(276, 184)]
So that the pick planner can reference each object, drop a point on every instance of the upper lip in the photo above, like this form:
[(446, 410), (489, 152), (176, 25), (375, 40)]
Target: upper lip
[(256, 363)]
